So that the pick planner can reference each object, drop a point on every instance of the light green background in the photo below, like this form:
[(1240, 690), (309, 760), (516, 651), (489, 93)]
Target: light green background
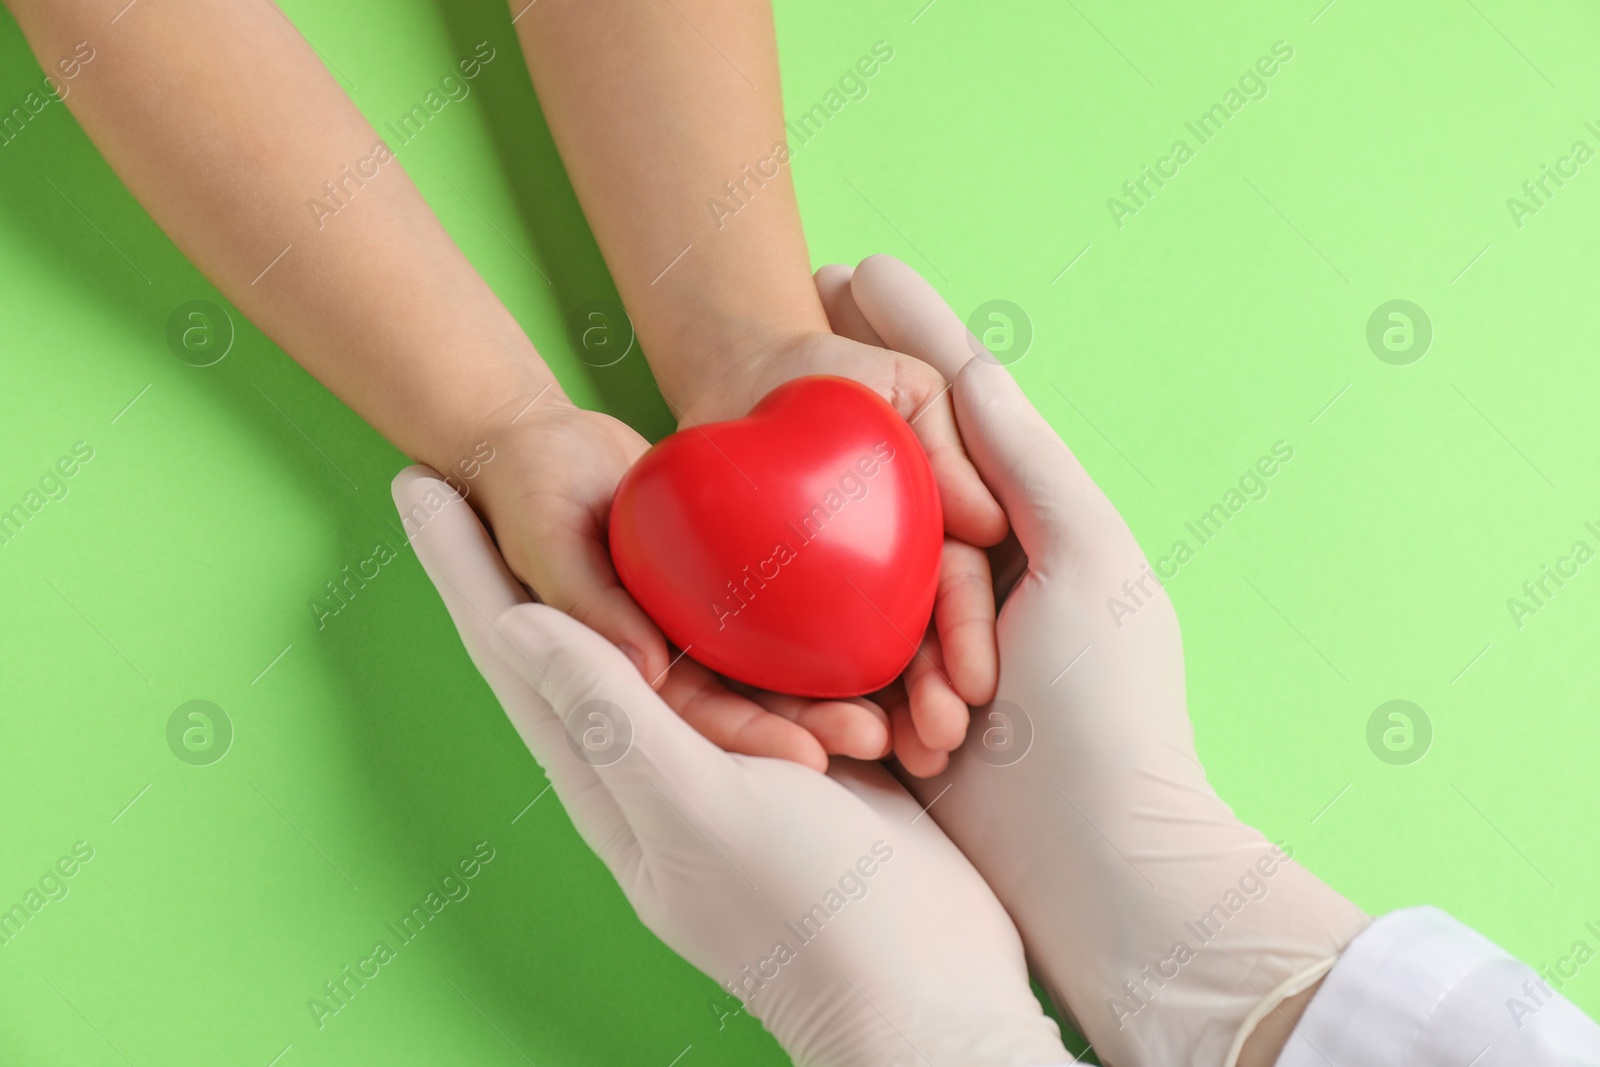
[(1228, 314)]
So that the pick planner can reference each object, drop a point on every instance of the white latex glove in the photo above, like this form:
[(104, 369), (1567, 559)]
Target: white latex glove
[(846, 921), (1078, 794)]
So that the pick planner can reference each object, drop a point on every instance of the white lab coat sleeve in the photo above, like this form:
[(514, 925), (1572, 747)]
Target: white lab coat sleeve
[(1418, 988)]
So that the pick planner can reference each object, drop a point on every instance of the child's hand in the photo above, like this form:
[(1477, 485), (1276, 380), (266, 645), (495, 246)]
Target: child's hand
[(957, 663), (546, 493)]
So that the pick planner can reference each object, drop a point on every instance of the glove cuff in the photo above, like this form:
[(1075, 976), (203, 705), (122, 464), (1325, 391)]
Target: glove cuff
[(1297, 984)]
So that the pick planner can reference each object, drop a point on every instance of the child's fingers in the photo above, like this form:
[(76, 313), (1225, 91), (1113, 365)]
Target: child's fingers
[(915, 386), (918, 759), (735, 723), (856, 728), (564, 559), (937, 711), (971, 512), (584, 678), (964, 617)]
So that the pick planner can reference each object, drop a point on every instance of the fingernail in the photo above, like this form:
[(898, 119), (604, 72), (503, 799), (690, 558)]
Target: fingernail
[(635, 655)]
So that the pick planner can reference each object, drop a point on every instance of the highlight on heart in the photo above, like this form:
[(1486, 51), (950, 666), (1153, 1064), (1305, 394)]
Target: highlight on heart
[(853, 485)]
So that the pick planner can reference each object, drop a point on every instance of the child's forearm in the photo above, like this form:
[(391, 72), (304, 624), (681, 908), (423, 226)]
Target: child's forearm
[(222, 121), (654, 107)]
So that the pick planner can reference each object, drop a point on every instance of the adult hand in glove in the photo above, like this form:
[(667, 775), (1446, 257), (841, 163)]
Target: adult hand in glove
[(841, 915), (1167, 927)]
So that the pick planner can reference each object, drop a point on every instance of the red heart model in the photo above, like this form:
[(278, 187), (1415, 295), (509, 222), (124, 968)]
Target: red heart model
[(795, 549)]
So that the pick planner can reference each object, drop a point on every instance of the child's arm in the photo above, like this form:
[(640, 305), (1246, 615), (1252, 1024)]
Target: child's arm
[(652, 117), (225, 125), (223, 122), (655, 106)]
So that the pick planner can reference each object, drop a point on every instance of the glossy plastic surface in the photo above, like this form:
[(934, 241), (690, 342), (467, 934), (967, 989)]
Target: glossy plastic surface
[(796, 549)]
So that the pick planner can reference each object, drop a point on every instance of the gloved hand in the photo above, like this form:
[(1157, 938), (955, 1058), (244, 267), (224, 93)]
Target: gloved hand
[(844, 919), (1161, 922)]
